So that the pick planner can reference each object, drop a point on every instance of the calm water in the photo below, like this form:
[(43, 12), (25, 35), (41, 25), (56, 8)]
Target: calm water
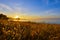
[(56, 21)]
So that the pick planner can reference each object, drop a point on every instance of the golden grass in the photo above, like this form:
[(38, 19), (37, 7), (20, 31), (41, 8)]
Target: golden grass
[(14, 30)]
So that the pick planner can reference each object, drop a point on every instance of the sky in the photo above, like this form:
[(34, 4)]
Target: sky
[(31, 9)]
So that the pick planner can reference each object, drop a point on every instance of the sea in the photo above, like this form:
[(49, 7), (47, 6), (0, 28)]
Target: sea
[(50, 21)]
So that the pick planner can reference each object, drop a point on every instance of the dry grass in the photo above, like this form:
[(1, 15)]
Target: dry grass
[(14, 30)]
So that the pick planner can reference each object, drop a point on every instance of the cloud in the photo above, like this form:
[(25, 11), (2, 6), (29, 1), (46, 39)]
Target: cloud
[(50, 12), (50, 2), (20, 9), (15, 8), (5, 7), (46, 1)]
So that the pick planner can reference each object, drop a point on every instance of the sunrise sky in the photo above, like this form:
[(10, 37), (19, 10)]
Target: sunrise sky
[(31, 9)]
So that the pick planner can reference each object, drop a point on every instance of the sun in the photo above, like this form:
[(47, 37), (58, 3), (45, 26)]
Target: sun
[(16, 17)]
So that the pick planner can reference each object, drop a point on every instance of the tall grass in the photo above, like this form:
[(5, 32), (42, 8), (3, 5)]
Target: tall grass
[(14, 30)]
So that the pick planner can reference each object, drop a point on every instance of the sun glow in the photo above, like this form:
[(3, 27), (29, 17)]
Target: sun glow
[(16, 17)]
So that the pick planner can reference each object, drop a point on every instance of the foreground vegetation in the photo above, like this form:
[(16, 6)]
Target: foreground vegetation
[(14, 30)]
